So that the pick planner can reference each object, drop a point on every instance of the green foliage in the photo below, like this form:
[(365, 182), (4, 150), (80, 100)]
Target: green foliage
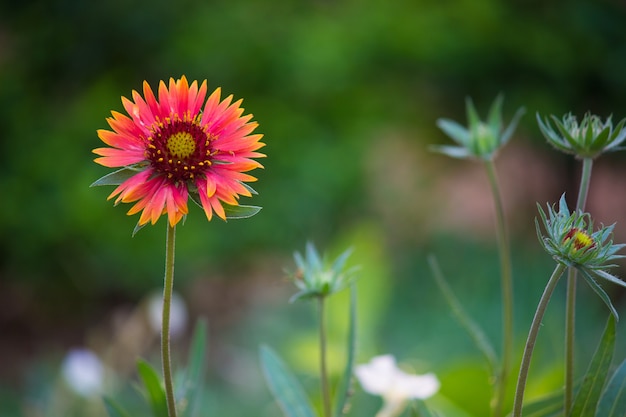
[(285, 387), (591, 388), (154, 392), (191, 387), (613, 400)]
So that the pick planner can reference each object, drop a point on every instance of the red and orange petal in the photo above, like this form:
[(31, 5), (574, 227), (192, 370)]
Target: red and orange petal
[(155, 191)]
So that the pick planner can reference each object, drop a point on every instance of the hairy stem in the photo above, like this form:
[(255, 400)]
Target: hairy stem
[(532, 338), (570, 306), (323, 368), (507, 291), (165, 329)]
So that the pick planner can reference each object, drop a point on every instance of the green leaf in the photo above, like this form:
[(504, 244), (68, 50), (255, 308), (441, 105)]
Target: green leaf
[(591, 388), (470, 326), (116, 177), (192, 383), (613, 400), (343, 391), (240, 212), (609, 277), (154, 389), (598, 290), (284, 386), (114, 409)]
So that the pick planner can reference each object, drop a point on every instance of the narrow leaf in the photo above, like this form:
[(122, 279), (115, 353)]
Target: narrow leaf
[(613, 400), (609, 277), (475, 332), (240, 212), (343, 391), (115, 177), (591, 388), (192, 383), (284, 386), (598, 290), (154, 389), (114, 409)]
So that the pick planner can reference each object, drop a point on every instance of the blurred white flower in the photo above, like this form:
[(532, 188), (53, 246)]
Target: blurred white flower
[(178, 314), (83, 372), (382, 377)]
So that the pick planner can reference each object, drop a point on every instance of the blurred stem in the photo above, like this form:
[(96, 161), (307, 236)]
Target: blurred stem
[(507, 290), (570, 306), (323, 367), (165, 329), (532, 338)]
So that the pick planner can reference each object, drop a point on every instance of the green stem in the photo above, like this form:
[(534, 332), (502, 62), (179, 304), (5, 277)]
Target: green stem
[(507, 290), (570, 306), (532, 338), (323, 368), (165, 329)]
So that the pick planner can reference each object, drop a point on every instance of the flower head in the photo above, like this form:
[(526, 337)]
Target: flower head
[(180, 146), (480, 139), (381, 376), (571, 241), (316, 277), (587, 139)]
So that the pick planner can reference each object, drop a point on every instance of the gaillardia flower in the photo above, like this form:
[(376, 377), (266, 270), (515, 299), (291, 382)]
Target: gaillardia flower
[(481, 139), (177, 147), (318, 277), (587, 139), (569, 238)]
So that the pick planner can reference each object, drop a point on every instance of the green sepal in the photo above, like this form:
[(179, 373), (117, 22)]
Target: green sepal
[(117, 177), (285, 388), (155, 394), (137, 228), (508, 132), (114, 409), (456, 132), (239, 211), (343, 391), (613, 400), (452, 151), (589, 393), (191, 386)]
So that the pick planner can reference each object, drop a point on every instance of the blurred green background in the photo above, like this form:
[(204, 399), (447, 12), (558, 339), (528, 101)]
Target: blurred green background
[(347, 94)]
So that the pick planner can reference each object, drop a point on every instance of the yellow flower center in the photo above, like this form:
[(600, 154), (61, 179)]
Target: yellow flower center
[(581, 239), (181, 145)]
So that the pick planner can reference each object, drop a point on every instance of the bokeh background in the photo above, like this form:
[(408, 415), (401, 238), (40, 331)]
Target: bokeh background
[(347, 94)]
